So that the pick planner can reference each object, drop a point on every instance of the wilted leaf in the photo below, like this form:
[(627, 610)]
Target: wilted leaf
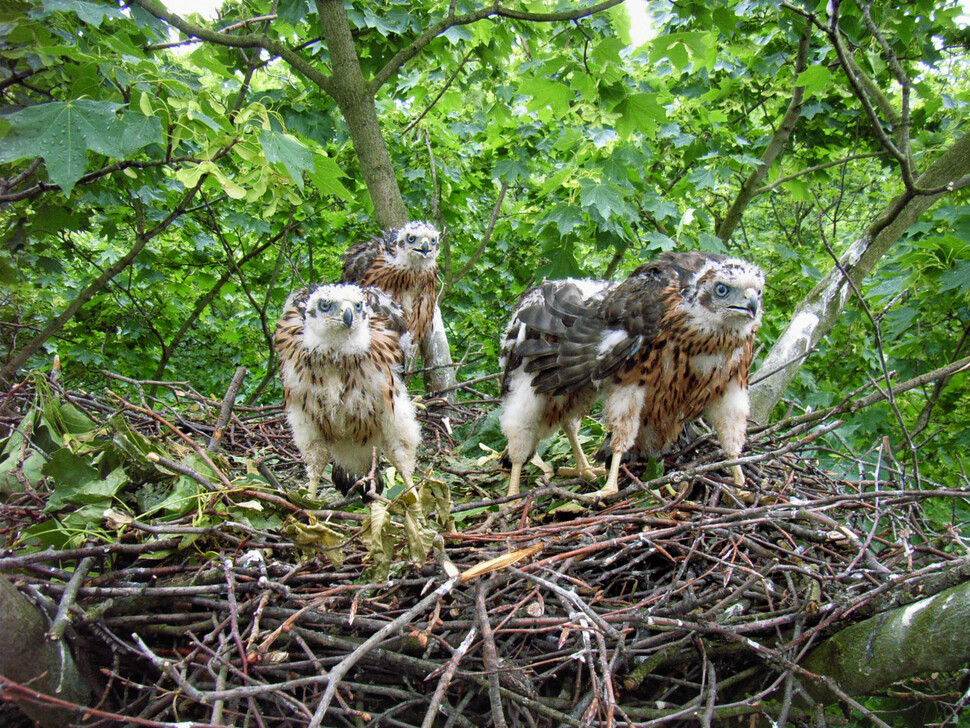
[(376, 537), (316, 538), (113, 518)]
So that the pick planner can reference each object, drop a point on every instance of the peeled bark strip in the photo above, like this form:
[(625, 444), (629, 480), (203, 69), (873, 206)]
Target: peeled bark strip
[(27, 657), (927, 636), (436, 356)]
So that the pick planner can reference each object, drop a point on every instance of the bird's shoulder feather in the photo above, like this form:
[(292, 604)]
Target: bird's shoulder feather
[(360, 258), (588, 340)]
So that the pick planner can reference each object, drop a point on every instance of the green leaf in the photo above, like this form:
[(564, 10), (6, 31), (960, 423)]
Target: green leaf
[(639, 113), (555, 181), (679, 48), (91, 13), (288, 151), (70, 475), (606, 199), (203, 57), (562, 263), (63, 132), (566, 217), (814, 79), (957, 277), (196, 115), (140, 131), (512, 171), (326, 175), (546, 93), (97, 490)]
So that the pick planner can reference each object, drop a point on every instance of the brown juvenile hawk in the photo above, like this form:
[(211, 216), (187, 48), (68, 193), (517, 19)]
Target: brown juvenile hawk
[(342, 350), (670, 343), (403, 264), (529, 416)]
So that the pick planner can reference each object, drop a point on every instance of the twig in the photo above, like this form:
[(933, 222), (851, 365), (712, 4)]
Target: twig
[(227, 402), (446, 676), (492, 664), (343, 667), (62, 617)]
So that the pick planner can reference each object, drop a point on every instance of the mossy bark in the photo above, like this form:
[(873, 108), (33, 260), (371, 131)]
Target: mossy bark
[(927, 636), (28, 657)]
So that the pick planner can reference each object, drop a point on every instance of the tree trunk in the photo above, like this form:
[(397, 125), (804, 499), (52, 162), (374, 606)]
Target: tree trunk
[(355, 99), (29, 658), (815, 316), (923, 637), (436, 356)]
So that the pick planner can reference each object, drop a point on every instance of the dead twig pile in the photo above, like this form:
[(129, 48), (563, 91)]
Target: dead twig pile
[(681, 602)]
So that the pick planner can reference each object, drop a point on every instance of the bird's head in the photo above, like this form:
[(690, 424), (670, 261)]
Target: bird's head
[(416, 246), (337, 320), (727, 295)]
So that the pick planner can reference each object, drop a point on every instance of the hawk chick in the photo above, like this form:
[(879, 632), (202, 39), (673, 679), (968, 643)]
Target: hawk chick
[(342, 350), (670, 343), (403, 264), (529, 416)]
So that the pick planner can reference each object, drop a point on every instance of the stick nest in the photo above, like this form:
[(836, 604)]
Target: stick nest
[(681, 601)]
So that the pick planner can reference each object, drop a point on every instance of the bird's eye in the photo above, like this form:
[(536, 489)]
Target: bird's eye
[(324, 306), (411, 237), (358, 307), (721, 290)]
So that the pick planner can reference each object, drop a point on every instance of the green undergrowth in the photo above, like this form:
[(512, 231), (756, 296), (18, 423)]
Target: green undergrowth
[(103, 482)]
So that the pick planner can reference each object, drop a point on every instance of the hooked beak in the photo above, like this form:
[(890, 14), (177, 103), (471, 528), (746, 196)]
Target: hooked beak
[(347, 315), (751, 301)]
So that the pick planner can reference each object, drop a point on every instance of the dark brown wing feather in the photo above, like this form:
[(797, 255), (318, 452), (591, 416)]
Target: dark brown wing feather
[(360, 258), (586, 344), (390, 310)]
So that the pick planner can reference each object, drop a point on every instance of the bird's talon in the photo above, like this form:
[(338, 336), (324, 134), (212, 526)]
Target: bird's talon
[(591, 474)]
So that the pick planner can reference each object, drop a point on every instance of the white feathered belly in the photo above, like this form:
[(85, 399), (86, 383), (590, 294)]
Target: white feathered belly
[(347, 413)]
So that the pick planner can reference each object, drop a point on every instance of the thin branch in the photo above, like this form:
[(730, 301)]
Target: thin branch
[(62, 618), (271, 46), (343, 667), (817, 168), (226, 411), (447, 84), (486, 237), (451, 20)]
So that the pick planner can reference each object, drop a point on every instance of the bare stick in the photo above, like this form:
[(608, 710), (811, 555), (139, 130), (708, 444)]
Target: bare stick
[(62, 618), (228, 401), (392, 628), (492, 664), (446, 677)]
